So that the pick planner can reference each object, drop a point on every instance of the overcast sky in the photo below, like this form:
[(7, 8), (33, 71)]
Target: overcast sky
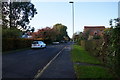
[(86, 14)]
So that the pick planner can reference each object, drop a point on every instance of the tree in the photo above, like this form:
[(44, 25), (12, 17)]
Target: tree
[(17, 14), (75, 36), (86, 34), (78, 36), (81, 37), (5, 13), (61, 31), (115, 44), (44, 33), (57, 33), (33, 29)]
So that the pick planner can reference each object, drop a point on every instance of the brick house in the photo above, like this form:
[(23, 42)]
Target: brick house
[(93, 30)]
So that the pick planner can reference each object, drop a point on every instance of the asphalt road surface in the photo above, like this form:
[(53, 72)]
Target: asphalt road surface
[(27, 63), (61, 67)]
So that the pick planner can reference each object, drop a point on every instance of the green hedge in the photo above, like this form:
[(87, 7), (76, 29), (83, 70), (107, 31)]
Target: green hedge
[(9, 44), (83, 43), (101, 49), (94, 47)]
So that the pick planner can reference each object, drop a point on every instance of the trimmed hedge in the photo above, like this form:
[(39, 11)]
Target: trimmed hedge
[(94, 47), (9, 44), (101, 49)]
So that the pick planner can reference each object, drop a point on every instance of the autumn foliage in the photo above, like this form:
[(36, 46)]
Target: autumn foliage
[(57, 33)]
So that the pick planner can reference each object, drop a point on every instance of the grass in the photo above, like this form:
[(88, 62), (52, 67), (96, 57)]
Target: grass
[(78, 54), (92, 72)]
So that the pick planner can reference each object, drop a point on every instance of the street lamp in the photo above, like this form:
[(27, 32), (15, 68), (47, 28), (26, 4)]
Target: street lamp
[(72, 17), (10, 14)]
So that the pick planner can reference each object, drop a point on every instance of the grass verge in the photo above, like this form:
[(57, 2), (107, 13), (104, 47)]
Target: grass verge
[(78, 54), (92, 72)]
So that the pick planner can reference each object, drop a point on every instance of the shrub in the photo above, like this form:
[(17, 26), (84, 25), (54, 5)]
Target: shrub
[(96, 37), (9, 44), (107, 49), (93, 46), (11, 33), (114, 49)]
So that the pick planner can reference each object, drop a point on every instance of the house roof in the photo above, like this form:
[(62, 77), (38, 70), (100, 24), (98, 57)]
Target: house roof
[(94, 26)]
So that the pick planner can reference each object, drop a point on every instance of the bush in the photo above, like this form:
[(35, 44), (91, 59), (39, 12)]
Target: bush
[(93, 46), (107, 49), (114, 49), (9, 44), (96, 37), (11, 33)]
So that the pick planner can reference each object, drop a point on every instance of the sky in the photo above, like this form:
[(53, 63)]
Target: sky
[(85, 14)]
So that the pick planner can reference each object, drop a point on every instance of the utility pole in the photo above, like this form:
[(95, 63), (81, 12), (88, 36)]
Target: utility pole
[(72, 17), (10, 15)]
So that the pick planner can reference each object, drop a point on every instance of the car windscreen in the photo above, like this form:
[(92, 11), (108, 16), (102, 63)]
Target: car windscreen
[(35, 42), (40, 42)]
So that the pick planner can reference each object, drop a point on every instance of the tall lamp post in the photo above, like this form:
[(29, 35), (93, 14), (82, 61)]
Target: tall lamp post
[(10, 15), (119, 9), (72, 17)]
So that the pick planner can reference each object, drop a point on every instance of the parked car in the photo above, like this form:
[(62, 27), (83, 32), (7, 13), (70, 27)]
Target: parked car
[(62, 41), (55, 43), (38, 44)]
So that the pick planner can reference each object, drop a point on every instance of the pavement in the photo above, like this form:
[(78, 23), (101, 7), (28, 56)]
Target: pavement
[(61, 67)]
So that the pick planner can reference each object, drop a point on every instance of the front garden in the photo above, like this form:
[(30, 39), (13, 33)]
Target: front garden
[(88, 66), (105, 49)]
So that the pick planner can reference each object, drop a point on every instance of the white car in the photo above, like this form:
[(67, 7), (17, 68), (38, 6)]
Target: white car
[(55, 43), (38, 44)]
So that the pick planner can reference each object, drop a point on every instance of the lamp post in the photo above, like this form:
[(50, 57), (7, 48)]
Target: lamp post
[(119, 9), (10, 14), (72, 17)]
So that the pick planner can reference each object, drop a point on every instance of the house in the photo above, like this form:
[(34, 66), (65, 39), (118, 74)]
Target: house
[(91, 31), (27, 35)]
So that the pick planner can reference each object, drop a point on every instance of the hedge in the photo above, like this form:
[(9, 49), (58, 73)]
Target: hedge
[(94, 47), (101, 50), (9, 44)]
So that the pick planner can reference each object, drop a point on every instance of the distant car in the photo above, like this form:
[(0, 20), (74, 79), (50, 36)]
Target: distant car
[(62, 41), (38, 44), (55, 43)]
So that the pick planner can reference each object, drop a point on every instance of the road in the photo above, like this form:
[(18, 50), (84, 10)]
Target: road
[(61, 67), (27, 63)]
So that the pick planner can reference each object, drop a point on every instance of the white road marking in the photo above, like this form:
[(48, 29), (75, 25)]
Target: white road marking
[(45, 67)]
